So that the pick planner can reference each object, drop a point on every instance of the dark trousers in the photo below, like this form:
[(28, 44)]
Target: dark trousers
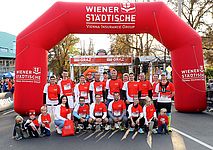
[(162, 128), (85, 124), (45, 131), (141, 123), (32, 133)]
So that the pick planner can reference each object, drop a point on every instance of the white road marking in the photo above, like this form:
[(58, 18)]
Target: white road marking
[(125, 135), (149, 139), (112, 133), (99, 134), (193, 139), (91, 134), (177, 141), (134, 135), (8, 112), (102, 136)]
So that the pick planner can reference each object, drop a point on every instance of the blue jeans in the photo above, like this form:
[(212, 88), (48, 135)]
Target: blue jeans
[(161, 128), (59, 123)]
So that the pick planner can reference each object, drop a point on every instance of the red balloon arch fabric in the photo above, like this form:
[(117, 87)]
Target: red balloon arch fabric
[(154, 18)]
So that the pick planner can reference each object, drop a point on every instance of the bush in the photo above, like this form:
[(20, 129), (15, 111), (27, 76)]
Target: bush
[(209, 73)]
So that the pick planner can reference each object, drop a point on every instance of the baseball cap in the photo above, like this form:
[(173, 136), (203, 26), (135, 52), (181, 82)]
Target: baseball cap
[(31, 112)]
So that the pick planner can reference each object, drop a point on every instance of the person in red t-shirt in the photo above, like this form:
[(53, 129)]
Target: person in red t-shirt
[(150, 115), (62, 113), (97, 87), (32, 124), (98, 113), (130, 88), (82, 90), (117, 112), (44, 121), (154, 94), (166, 91), (67, 88), (145, 88), (81, 114), (51, 95), (163, 121), (136, 119), (113, 85)]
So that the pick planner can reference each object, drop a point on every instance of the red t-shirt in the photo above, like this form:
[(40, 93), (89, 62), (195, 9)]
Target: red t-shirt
[(168, 90), (84, 90), (115, 86), (153, 89), (45, 118), (53, 91), (150, 111), (144, 87), (163, 118), (64, 111), (99, 87), (99, 109), (83, 111), (133, 88), (118, 107), (67, 87), (136, 111)]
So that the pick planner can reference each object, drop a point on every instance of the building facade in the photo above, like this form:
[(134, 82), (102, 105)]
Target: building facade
[(7, 52)]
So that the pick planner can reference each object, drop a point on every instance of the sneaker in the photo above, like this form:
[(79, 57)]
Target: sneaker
[(116, 126), (107, 127), (131, 129), (141, 130), (154, 131), (169, 129), (89, 127), (18, 138), (122, 128), (113, 128), (98, 127), (58, 130)]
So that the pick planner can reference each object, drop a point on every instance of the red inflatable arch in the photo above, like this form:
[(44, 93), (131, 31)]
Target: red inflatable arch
[(108, 18)]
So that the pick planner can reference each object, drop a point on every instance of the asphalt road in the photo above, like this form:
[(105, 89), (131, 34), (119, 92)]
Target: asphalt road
[(191, 132)]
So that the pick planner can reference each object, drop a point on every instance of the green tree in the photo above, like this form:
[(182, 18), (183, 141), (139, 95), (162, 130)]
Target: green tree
[(59, 55)]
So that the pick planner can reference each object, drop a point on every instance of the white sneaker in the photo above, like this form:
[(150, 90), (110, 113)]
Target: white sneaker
[(58, 130), (154, 131), (107, 127), (116, 126)]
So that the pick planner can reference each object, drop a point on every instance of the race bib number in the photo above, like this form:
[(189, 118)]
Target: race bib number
[(84, 94), (135, 114), (67, 87), (98, 114), (99, 89), (117, 113)]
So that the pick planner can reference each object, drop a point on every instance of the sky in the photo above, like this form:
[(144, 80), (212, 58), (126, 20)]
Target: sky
[(16, 15)]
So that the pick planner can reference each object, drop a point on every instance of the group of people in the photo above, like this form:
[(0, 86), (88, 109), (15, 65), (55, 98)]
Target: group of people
[(6, 85), (109, 104)]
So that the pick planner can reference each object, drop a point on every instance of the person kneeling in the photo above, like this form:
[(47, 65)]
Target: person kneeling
[(150, 116), (163, 121), (62, 113), (19, 131), (81, 114), (136, 119), (98, 113), (44, 120), (117, 112), (32, 124)]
